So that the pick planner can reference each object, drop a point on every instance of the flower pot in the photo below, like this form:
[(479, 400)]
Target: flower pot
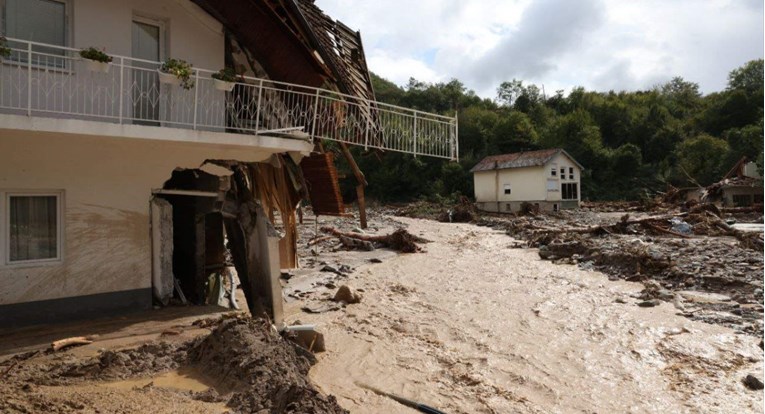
[(96, 66), (168, 78), (223, 85)]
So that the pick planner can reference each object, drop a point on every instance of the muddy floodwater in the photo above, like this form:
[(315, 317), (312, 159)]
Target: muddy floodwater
[(474, 326)]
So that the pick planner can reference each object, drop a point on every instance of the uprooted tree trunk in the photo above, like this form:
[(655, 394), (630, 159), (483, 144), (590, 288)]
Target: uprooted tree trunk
[(400, 240)]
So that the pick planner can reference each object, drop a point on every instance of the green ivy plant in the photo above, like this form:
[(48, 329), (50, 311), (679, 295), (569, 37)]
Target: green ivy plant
[(5, 51), (97, 55), (225, 75), (181, 69)]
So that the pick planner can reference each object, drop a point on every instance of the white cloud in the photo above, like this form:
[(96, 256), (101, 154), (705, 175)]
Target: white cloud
[(598, 44)]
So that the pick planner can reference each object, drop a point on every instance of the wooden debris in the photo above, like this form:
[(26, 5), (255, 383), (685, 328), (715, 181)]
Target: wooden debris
[(67, 342), (400, 240)]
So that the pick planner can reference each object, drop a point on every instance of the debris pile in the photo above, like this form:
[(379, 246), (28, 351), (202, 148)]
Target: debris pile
[(688, 249)]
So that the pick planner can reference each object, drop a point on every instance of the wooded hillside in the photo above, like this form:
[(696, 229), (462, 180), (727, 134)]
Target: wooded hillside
[(631, 143)]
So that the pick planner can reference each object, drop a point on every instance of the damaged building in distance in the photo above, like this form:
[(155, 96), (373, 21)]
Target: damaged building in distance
[(548, 180), (122, 173)]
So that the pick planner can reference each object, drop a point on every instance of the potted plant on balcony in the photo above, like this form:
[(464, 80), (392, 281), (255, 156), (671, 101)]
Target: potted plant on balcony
[(5, 51), (176, 72), (96, 60), (224, 79)]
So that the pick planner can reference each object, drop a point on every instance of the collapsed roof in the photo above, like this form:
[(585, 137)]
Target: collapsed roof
[(297, 43)]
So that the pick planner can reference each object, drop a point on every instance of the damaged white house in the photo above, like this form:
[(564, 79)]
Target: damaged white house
[(122, 173)]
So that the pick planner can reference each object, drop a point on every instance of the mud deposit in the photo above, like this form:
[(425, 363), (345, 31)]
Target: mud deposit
[(242, 366), (474, 325)]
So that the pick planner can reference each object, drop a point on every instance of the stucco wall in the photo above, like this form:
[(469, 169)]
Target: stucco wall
[(525, 184), (107, 184), (484, 183), (191, 34)]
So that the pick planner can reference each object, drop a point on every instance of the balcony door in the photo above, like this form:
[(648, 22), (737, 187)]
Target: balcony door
[(147, 38)]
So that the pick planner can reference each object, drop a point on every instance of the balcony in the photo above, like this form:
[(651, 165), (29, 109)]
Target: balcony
[(52, 81)]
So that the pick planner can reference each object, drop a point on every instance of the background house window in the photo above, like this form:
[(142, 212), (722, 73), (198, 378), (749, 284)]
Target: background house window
[(571, 173), (569, 191), (554, 172), (507, 188), (562, 172), (33, 223)]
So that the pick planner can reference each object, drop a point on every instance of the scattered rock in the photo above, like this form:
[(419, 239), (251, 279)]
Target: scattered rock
[(649, 303), (620, 300), (753, 383), (347, 295), (375, 260)]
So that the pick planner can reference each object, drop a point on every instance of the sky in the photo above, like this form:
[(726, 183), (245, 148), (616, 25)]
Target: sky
[(559, 44)]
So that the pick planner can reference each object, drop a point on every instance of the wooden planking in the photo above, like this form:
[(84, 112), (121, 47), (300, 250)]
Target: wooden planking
[(323, 186)]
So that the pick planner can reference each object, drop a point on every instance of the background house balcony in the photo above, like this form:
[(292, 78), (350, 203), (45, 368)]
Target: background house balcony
[(52, 81)]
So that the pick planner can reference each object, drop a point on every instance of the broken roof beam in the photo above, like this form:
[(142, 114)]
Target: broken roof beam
[(258, 28)]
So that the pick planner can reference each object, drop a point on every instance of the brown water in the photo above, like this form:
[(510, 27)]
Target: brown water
[(474, 326), (183, 379)]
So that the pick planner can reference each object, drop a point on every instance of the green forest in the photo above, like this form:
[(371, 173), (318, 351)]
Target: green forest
[(632, 144)]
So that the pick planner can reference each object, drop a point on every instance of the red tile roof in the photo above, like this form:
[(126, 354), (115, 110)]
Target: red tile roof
[(520, 159)]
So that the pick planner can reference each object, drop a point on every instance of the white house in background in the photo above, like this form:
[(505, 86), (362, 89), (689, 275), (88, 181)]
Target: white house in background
[(549, 179), (105, 195)]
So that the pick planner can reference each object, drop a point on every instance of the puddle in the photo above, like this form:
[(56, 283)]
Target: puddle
[(184, 379)]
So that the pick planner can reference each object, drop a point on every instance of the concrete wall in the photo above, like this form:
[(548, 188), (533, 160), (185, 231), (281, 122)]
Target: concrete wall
[(107, 185)]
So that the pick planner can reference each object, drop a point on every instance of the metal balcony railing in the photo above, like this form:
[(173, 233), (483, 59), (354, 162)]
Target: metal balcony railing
[(46, 80)]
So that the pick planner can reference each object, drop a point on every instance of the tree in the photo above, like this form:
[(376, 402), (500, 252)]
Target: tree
[(514, 132), (748, 77), (702, 158), (683, 98)]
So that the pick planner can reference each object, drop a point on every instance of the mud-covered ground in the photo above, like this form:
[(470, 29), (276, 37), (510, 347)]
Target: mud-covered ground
[(709, 275), (241, 366), (477, 325)]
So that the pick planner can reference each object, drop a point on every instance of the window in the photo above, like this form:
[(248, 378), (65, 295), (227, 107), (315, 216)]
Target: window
[(33, 227), (569, 191), (507, 188), (562, 173), (552, 185), (742, 200), (42, 21), (570, 173), (554, 172)]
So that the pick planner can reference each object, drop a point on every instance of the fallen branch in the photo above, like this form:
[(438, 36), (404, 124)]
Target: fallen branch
[(319, 240), (400, 240), (67, 342)]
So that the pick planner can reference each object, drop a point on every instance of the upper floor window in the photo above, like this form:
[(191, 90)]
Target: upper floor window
[(507, 189), (41, 21), (562, 173), (554, 172), (570, 173)]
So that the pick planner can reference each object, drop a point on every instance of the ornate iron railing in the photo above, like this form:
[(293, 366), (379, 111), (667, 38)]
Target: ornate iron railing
[(46, 80)]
